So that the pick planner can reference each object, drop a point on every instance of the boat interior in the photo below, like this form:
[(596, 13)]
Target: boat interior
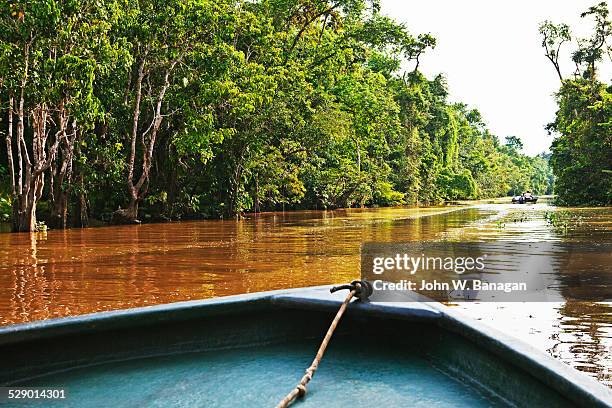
[(251, 350)]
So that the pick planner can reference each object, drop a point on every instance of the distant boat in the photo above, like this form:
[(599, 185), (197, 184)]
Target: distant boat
[(520, 199), (250, 350)]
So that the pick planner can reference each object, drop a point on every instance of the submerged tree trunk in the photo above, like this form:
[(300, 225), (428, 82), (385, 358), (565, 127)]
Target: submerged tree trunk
[(256, 206), (82, 205), (59, 212), (83, 220), (30, 178), (9, 150), (24, 213), (31, 185), (127, 215), (9, 147), (26, 204), (61, 179)]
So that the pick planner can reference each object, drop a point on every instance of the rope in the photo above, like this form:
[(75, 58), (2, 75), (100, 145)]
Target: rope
[(300, 389)]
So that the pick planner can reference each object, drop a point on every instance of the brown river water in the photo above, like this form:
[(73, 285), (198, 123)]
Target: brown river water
[(62, 273)]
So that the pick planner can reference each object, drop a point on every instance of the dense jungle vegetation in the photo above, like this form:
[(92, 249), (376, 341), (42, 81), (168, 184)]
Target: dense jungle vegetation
[(161, 109), (582, 152)]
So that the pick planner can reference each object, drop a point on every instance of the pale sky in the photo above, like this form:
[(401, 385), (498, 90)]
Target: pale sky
[(490, 52)]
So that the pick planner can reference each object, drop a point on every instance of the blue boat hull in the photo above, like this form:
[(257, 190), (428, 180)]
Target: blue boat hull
[(251, 350)]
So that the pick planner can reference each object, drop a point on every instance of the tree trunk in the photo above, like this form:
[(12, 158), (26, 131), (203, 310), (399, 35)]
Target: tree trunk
[(31, 189), (127, 215), (83, 221), (25, 214), (22, 218), (61, 181), (256, 198), (26, 220), (132, 210), (34, 159), (232, 208), (358, 149), (59, 211), (9, 147), (82, 205), (139, 189)]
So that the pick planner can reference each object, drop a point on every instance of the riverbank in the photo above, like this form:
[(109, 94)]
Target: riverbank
[(94, 223)]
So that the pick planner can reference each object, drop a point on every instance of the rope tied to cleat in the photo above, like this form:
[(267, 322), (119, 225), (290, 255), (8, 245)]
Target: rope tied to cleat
[(357, 289)]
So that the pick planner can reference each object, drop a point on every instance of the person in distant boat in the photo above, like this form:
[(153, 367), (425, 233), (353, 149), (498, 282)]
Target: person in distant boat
[(527, 195)]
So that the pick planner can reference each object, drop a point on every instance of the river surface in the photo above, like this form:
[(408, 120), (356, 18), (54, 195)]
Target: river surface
[(61, 273)]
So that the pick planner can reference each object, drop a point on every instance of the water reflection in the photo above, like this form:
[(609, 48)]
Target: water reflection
[(584, 337), (62, 273), (70, 272), (577, 332)]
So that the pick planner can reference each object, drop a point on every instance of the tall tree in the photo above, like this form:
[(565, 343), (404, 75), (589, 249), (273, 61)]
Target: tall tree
[(582, 150)]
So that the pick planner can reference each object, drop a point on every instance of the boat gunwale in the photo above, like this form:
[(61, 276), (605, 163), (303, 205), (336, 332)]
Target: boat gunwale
[(120, 318), (568, 381)]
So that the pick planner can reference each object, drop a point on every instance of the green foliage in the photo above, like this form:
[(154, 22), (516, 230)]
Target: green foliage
[(582, 154), (6, 209), (582, 150), (562, 221), (270, 105), (457, 185)]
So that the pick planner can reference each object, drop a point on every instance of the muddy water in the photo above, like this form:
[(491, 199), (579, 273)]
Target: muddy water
[(61, 273)]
